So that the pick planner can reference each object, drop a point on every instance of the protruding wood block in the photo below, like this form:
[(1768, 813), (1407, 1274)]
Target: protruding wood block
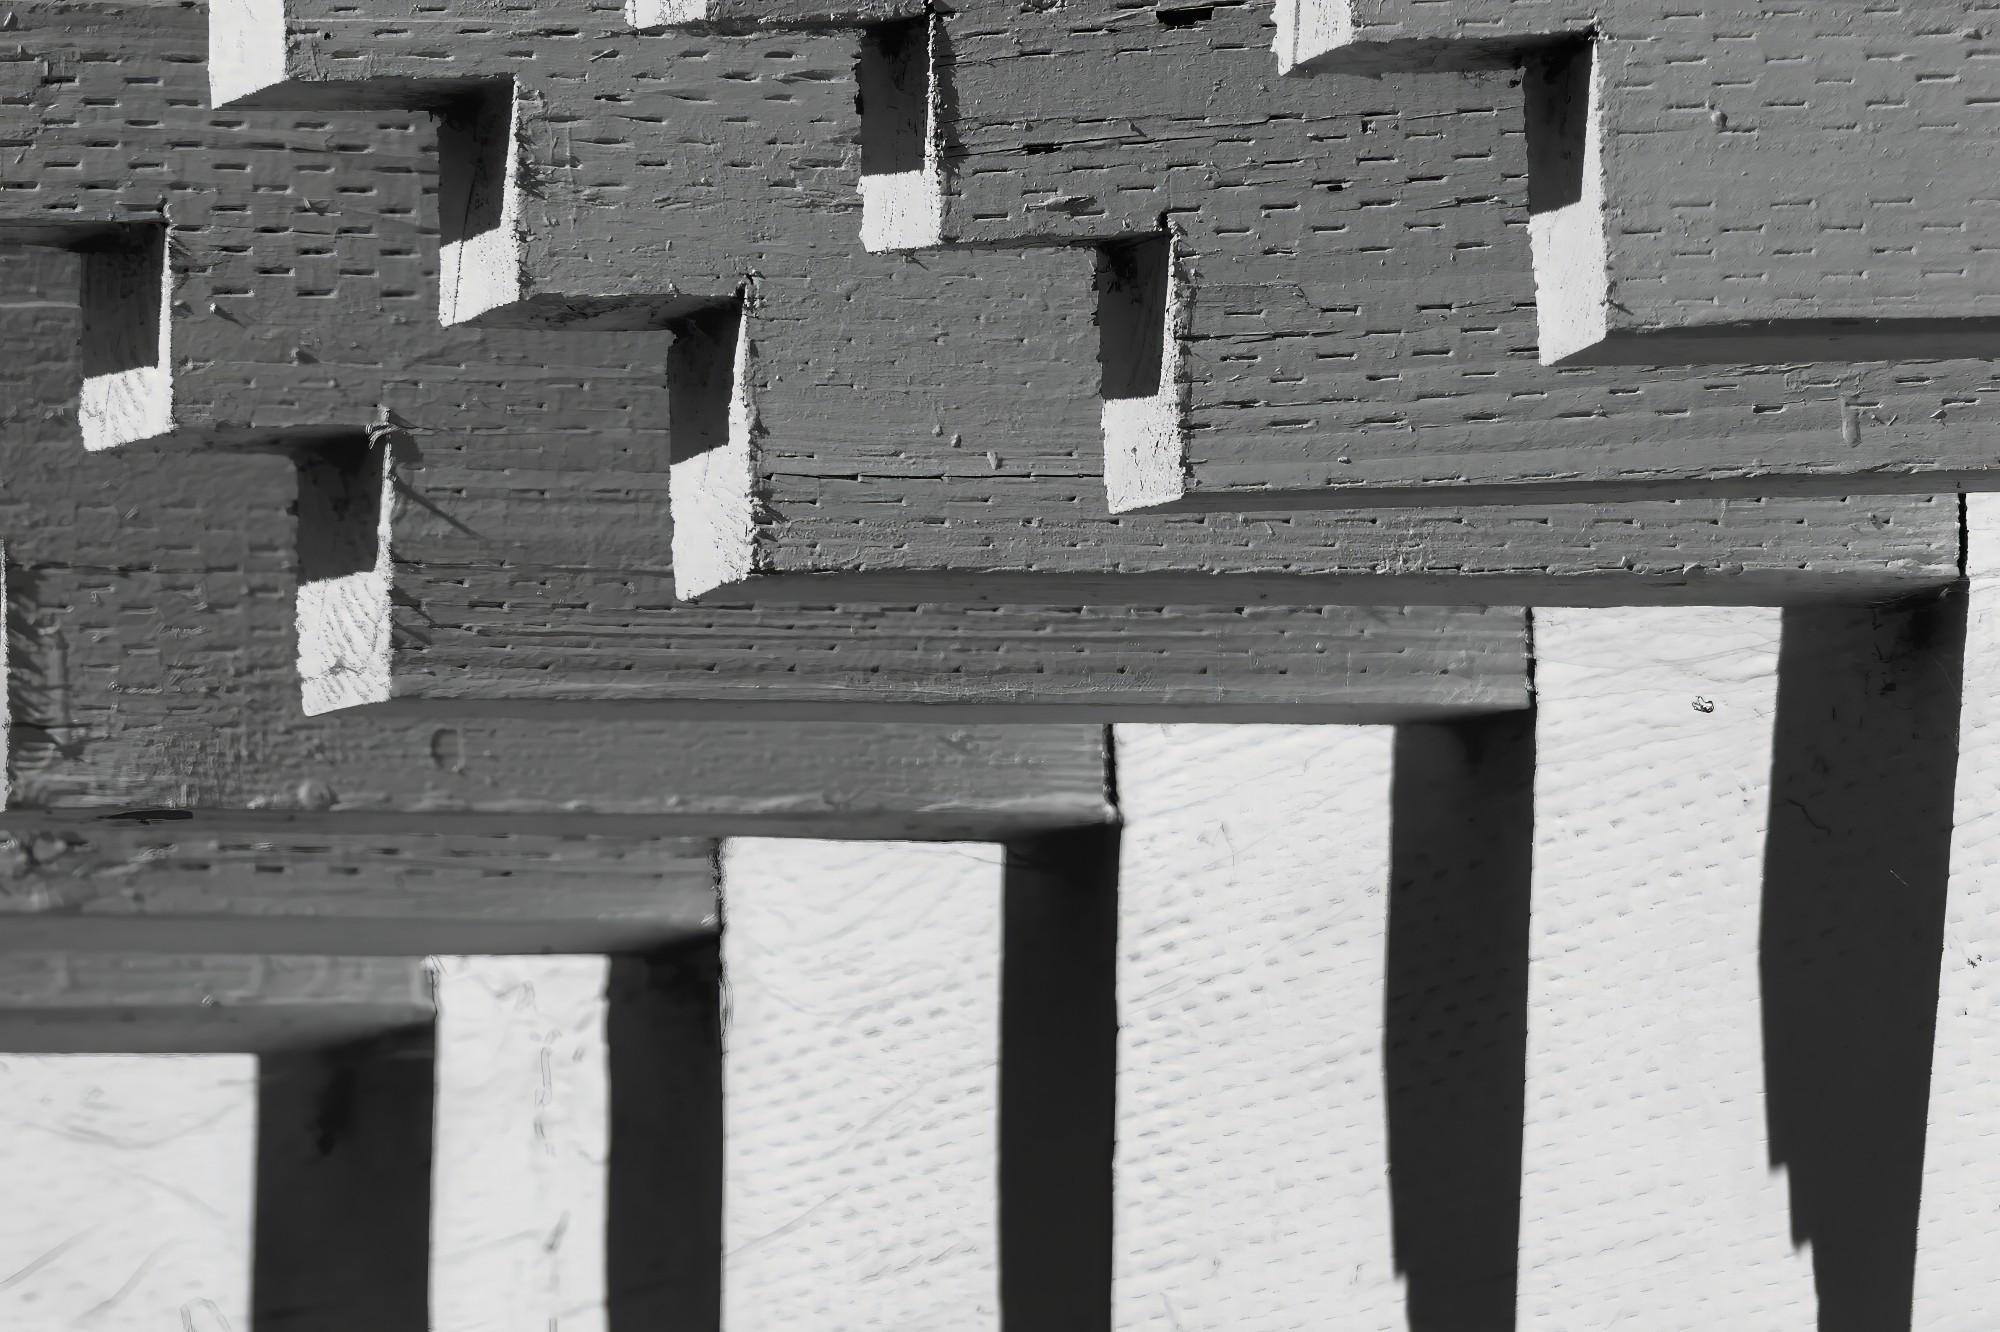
[(152, 663), (860, 1082), (1319, 362), (1647, 1170), (166, 888), (143, 1003), (1700, 199)]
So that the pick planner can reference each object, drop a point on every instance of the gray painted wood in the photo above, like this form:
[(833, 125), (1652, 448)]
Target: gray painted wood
[(152, 666), (1854, 261), (155, 1002), (522, 573), (1327, 365), (167, 887)]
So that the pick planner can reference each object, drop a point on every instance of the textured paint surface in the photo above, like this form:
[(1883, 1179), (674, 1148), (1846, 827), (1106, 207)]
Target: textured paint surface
[(860, 1085), (1252, 1173), (517, 1229), (128, 1180), (1647, 1192), (1958, 1248)]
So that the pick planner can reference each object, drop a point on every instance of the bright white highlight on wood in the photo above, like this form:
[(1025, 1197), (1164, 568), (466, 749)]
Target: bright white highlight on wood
[(903, 210), (861, 1086), (1145, 439), (1252, 1166), (1958, 1238), (127, 301), (713, 494), (246, 47), (129, 1192), (1310, 28), (650, 14), (345, 625), (523, 1135), (1571, 252), (481, 272), (1648, 1199)]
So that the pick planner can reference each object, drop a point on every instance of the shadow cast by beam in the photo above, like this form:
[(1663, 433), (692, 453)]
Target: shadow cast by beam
[(1863, 761), (343, 1201), (1455, 1014), (663, 1183), (1058, 1073)]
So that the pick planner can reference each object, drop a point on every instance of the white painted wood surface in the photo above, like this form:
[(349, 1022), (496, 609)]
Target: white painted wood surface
[(860, 1086), (517, 1231), (1958, 1239), (1647, 1196), (129, 1192), (1252, 1167)]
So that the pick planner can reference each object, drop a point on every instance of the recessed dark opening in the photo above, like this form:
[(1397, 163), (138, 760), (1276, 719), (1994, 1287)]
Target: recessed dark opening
[(1132, 315), (475, 135), (340, 509), (1556, 86), (701, 379), (122, 277), (1184, 18), (894, 80)]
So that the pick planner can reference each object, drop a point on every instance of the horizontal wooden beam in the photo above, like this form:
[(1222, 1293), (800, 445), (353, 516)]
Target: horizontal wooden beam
[(169, 887), (81, 1003), (447, 615), (1329, 350)]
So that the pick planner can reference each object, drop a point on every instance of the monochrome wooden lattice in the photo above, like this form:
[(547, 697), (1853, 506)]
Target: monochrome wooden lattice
[(1028, 665)]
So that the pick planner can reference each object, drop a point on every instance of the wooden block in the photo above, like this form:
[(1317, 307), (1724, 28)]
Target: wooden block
[(152, 667), (1319, 362), (1856, 261), (165, 888), (132, 1181), (1647, 1172), (861, 1084), (444, 620), (1252, 1171), (468, 624), (143, 1003)]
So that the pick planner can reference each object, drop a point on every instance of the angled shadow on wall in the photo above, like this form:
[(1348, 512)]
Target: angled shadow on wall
[(1455, 1014), (1863, 760)]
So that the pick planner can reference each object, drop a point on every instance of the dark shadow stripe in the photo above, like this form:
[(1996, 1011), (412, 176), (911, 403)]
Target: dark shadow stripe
[(1455, 1014), (1864, 758)]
